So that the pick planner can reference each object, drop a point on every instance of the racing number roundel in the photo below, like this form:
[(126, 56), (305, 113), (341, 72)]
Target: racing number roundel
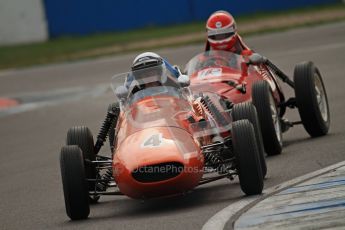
[(153, 141)]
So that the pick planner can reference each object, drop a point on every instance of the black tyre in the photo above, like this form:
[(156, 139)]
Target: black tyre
[(82, 137), (247, 111), (74, 182), (269, 119), (247, 157), (311, 99)]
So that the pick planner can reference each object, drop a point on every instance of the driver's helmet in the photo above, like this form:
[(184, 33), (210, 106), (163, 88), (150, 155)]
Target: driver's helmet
[(221, 31), (148, 69)]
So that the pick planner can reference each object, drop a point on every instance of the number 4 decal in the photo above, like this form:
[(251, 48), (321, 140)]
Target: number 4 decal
[(153, 141)]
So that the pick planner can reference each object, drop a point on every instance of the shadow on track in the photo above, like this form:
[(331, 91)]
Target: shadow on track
[(112, 208)]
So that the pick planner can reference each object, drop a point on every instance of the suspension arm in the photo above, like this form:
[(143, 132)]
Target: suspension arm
[(105, 193), (280, 73), (257, 59)]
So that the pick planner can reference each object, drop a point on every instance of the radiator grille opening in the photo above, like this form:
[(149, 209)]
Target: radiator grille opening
[(157, 172)]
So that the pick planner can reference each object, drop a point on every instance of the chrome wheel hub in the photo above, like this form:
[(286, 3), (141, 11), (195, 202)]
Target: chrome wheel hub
[(321, 97)]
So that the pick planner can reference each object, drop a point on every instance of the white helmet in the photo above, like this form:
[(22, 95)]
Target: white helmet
[(147, 56), (149, 67)]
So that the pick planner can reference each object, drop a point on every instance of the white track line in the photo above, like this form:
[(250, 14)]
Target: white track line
[(219, 220)]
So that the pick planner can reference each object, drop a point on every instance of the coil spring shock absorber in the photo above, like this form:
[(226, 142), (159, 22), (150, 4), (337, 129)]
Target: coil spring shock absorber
[(208, 104), (110, 119), (212, 157), (106, 179), (280, 73)]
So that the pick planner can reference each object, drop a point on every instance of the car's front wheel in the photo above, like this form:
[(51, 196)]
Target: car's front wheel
[(269, 117), (311, 99), (74, 182), (246, 110), (247, 157), (82, 137)]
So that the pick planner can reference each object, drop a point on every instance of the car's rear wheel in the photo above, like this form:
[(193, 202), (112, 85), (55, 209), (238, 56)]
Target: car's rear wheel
[(74, 182), (247, 157), (247, 111), (83, 138), (311, 99), (268, 117)]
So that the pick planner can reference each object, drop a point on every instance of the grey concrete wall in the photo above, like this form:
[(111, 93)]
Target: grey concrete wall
[(22, 21)]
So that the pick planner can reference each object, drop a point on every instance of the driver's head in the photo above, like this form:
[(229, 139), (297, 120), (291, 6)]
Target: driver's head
[(221, 31), (149, 70)]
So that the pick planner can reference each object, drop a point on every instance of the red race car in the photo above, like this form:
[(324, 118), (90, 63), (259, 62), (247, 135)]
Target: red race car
[(164, 142), (241, 78)]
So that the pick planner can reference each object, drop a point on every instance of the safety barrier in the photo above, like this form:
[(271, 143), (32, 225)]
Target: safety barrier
[(80, 17)]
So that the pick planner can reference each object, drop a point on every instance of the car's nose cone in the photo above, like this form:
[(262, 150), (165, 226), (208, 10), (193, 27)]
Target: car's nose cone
[(174, 167)]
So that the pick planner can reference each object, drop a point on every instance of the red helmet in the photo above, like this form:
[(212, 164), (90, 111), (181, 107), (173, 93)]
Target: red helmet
[(221, 30)]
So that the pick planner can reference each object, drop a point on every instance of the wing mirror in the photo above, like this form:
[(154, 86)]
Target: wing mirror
[(121, 92), (184, 80)]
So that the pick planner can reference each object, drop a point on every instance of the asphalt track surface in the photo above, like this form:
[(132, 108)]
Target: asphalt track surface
[(30, 141)]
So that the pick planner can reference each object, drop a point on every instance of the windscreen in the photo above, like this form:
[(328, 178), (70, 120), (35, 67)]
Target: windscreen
[(213, 59)]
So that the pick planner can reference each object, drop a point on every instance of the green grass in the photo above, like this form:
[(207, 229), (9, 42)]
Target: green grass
[(74, 48), (63, 48)]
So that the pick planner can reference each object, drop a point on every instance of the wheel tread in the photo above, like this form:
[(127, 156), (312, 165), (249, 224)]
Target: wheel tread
[(246, 151), (306, 101), (247, 110), (74, 183), (260, 98)]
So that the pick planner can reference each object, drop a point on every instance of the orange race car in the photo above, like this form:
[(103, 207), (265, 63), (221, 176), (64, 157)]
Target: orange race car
[(165, 142)]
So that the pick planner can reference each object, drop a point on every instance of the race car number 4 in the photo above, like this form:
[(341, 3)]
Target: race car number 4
[(155, 140)]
